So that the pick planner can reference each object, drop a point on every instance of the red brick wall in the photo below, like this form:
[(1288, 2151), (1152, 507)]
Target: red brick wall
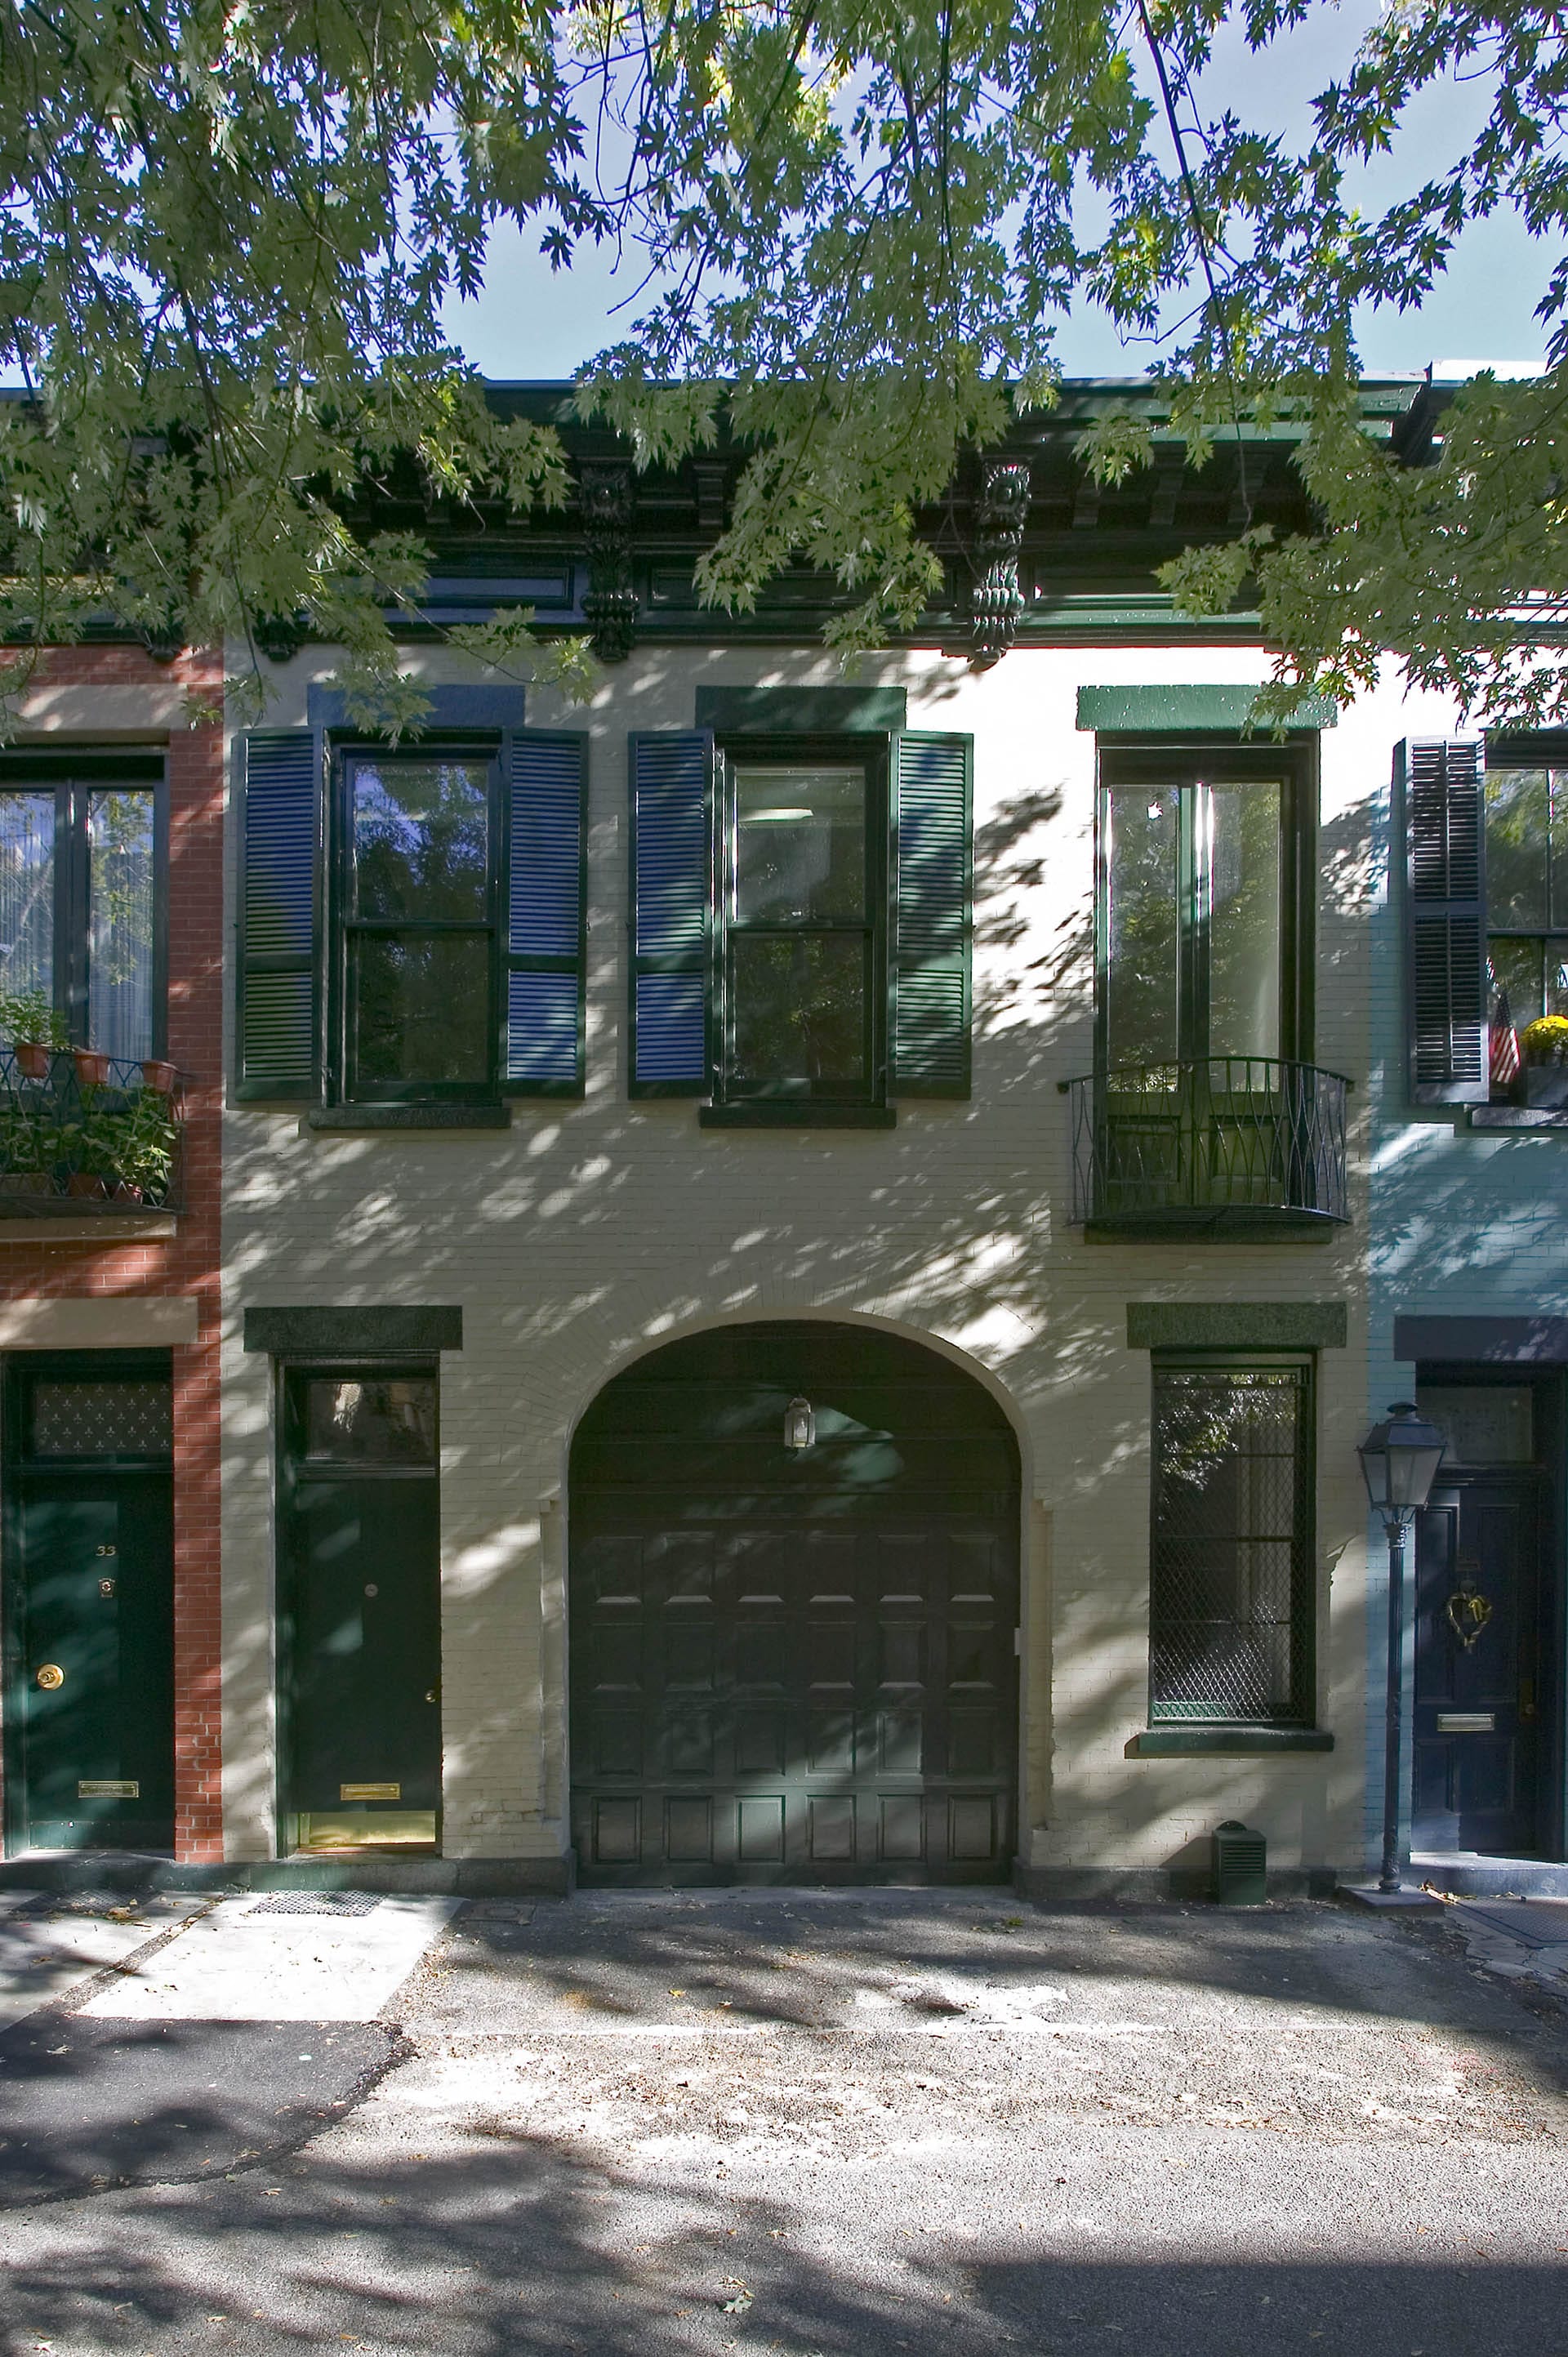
[(187, 1263)]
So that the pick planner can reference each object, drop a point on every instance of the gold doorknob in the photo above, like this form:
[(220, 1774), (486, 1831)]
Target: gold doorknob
[(431, 1695), (50, 1677)]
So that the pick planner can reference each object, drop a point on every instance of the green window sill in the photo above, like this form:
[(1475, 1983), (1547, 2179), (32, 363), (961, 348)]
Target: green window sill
[(409, 1116), (1245, 1742), (784, 1114)]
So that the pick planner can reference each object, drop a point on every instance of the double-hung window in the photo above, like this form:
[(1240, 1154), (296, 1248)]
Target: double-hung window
[(419, 943), (413, 919), (1230, 1572), (81, 896), (801, 952), (801, 920), (1527, 887)]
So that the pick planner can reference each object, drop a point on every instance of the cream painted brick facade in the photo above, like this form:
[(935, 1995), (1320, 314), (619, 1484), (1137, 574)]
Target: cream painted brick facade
[(589, 1233)]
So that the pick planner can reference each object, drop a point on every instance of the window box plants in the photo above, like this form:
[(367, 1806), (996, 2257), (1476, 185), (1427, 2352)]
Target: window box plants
[(1545, 1045)]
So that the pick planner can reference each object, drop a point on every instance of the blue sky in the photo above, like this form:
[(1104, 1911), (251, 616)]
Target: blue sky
[(531, 322)]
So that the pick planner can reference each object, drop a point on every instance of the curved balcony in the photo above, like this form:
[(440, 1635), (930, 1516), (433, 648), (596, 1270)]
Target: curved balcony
[(1249, 1146), (87, 1134)]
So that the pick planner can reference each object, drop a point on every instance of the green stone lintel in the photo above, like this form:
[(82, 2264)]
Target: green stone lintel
[(415, 1330), (801, 711), (1237, 1325), (1146, 711), (785, 1115), (1189, 1742), (409, 1116)]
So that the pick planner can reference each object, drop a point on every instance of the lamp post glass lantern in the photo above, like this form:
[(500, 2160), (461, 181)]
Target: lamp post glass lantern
[(1399, 1459)]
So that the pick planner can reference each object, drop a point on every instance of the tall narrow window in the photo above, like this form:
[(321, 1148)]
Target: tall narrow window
[(1195, 929), (1230, 1564), (120, 916), (27, 826), (802, 947), (420, 927), (80, 912)]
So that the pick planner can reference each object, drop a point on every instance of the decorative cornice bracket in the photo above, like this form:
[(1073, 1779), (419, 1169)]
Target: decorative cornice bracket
[(605, 499), (997, 602)]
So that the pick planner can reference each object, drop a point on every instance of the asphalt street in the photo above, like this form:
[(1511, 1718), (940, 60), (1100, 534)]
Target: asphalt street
[(789, 2123)]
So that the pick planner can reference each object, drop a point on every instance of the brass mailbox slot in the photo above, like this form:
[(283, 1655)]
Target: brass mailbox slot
[(1466, 1722), (369, 1791)]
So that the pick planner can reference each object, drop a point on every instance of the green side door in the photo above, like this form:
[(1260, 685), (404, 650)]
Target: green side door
[(361, 1563), (91, 1616)]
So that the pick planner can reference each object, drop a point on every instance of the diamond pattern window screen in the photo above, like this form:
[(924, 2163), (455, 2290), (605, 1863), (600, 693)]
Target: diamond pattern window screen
[(1230, 1554), (103, 1418)]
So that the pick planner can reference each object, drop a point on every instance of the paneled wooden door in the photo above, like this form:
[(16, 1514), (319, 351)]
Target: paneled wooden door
[(794, 1666), (1478, 1666), (90, 1542)]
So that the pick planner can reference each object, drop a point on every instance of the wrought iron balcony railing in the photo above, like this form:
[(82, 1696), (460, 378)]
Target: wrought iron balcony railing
[(89, 1130), (1236, 1144)]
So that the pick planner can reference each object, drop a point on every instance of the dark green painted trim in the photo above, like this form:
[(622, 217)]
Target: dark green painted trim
[(1238, 1223), (1237, 1325), (760, 1114), (811, 711), (384, 1333), (1224, 709), (411, 1117), (450, 707), (1188, 1742)]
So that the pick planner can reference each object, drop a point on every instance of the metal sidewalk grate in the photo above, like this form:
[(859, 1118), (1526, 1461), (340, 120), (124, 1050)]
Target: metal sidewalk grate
[(319, 1902)]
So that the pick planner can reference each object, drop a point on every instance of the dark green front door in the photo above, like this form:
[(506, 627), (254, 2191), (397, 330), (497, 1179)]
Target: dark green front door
[(90, 1618), (794, 1665), (361, 1594)]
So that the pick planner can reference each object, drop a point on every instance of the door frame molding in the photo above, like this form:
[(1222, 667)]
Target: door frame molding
[(16, 1367)]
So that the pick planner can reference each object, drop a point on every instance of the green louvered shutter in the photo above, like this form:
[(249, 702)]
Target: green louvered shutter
[(931, 869), (279, 965), (1445, 922), (546, 914), (671, 912)]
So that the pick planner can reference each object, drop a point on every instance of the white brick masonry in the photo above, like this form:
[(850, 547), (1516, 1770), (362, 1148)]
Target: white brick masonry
[(589, 1232)]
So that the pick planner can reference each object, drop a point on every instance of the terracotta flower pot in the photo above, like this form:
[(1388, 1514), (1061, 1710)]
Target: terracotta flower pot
[(157, 1074), (32, 1059), (91, 1069), (87, 1183)]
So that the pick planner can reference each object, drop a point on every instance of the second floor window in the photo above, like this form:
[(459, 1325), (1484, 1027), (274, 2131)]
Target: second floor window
[(1197, 924), (1527, 888), (419, 994), (801, 963), (81, 914)]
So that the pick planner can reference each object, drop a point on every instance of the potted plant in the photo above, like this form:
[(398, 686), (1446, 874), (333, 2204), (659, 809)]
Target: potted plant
[(91, 1067), (159, 1073), (137, 1151), (1544, 1044), (35, 1030)]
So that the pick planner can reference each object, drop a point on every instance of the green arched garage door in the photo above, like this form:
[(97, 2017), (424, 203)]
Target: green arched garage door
[(794, 1665)]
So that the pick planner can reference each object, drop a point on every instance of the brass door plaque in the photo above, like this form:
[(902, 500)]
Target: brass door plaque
[(48, 1676), (1466, 1722), (109, 1788), (369, 1791)]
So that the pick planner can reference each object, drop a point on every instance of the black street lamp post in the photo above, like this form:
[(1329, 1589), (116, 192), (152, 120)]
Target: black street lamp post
[(1399, 1459)]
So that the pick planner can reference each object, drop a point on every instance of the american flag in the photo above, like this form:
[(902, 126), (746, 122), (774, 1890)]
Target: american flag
[(1504, 1058)]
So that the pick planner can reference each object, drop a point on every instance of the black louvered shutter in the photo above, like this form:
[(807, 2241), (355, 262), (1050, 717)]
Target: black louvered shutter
[(546, 914), (671, 912), (931, 871), (1445, 922), (279, 965)]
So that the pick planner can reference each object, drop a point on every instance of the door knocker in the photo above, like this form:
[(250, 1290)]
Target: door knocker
[(1468, 1614)]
